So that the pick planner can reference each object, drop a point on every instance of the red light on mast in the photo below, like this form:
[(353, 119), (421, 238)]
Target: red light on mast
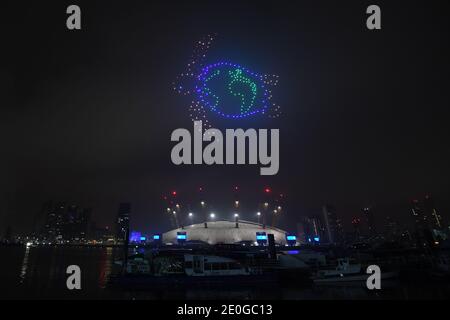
[(174, 193), (267, 190)]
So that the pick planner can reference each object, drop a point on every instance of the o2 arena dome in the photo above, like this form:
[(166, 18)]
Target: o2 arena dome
[(225, 232)]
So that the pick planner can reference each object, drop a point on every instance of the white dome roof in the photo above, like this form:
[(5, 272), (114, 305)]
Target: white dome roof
[(224, 232)]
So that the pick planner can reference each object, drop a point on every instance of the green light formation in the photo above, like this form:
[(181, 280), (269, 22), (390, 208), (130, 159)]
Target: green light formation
[(237, 77)]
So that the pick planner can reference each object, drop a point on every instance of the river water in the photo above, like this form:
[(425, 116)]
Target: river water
[(40, 273)]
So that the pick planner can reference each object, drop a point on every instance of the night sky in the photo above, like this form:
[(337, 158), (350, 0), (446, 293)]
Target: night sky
[(86, 116)]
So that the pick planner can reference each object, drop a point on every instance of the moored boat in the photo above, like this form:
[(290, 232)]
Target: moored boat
[(347, 270), (189, 270)]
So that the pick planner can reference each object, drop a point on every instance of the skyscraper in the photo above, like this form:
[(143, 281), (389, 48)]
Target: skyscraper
[(369, 217), (356, 223), (55, 217), (76, 224), (63, 223), (391, 228), (332, 225), (123, 221)]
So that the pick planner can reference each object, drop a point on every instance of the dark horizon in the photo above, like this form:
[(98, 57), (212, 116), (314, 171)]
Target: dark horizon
[(88, 114)]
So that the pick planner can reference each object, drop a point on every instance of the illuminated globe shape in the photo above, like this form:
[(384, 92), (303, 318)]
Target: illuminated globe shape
[(231, 90), (226, 89)]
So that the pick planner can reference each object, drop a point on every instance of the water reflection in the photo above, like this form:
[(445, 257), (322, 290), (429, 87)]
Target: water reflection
[(105, 267), (24, 268), (41, 273)]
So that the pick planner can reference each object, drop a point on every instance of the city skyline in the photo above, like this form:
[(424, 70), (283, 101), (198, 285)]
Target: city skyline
[(401, 213), (64, 221)]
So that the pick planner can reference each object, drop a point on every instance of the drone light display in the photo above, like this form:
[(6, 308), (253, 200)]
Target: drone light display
[(224, 88)]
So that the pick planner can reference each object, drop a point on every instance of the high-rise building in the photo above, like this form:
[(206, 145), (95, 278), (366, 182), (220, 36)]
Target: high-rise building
[(356, 223), (123, 221), (332, 225), (64, 223), (54, 221), (369, 217), (76, 224), (391, 228)]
